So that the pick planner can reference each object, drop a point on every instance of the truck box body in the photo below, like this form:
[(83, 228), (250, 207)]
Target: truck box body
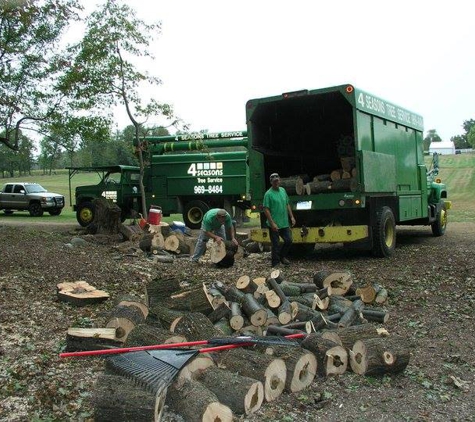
[(312, 132)]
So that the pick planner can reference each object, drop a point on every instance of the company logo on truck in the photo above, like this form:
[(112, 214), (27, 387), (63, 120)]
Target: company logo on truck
[(205, 169)]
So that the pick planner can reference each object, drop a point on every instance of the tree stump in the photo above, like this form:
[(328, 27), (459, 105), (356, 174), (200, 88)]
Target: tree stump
[(106, 216)]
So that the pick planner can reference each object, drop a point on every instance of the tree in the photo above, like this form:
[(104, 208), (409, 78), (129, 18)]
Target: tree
[(103, 73), (30, 61), (471, 136), (431, 136)]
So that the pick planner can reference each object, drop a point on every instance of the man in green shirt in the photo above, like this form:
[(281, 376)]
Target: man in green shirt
[(277, 210), (214, 226)]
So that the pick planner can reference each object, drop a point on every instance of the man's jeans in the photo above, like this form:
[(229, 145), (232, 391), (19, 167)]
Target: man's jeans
[(200, 247), (280, 251)]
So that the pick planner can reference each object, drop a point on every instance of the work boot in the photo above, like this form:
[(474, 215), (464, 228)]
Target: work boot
[(285, 261)]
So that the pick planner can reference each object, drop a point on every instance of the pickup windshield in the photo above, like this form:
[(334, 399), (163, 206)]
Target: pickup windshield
[(35, 189)]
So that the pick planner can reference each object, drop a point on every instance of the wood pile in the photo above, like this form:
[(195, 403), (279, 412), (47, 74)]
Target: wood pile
[(334, 316)]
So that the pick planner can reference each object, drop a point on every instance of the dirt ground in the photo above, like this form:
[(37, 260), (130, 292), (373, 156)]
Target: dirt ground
[(431, 283)]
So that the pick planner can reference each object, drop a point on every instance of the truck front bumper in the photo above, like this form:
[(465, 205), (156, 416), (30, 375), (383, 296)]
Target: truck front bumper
[(330, 234)]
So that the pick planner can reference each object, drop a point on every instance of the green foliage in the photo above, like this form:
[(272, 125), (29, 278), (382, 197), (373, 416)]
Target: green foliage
[(30, 32), (431, 136)]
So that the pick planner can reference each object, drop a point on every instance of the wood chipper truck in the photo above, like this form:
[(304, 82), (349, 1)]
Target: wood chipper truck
[(357, 159), (186, 174)]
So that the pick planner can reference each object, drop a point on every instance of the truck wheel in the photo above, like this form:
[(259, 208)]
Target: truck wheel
[(8, 212), (85, 213), (384, 233), (54, 212), (439, 225), (194, 213), (35, 209)]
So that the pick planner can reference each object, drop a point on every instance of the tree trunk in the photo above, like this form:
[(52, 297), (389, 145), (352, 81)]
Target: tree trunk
[(348, 336), (147, 335), (241, 394), (124, 319), (256, 313), (106, 217)]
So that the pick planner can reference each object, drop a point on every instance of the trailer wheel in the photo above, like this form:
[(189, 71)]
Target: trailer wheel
[(193, 213), (85, 213), (384, 233), (440, 224)]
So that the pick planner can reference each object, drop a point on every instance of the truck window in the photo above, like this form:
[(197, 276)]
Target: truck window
[(8, 189), (112, 178), (18, 189)]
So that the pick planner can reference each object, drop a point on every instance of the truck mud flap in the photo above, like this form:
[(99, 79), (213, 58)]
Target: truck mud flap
[(334, 234)]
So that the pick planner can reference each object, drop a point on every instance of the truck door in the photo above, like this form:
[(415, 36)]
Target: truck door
[(19, 197)]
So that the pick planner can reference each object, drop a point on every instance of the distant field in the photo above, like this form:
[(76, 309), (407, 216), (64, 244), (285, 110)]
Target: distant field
[(456, 171)]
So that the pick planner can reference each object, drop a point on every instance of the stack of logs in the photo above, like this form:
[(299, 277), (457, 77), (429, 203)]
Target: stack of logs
[(330, 312), (339, 180)]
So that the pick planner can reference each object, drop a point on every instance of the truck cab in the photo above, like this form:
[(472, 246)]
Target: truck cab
[(119, 184)]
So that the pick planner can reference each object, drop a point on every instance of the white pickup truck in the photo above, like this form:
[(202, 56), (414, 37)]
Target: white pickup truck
[(30, 197)]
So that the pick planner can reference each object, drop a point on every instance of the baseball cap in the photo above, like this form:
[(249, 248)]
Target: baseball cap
[(221, 213), (274, 176)]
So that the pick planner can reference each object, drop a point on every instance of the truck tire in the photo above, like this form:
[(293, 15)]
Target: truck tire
[(8, 212), (35, 209), (85, 213), (194, 212), (384, 233), (439, 225), (55, 212)]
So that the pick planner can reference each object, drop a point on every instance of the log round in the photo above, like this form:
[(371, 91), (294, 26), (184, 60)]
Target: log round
[(339, 281), (196, 326), (243, 395), (124, 319), (196, 403), (380, 356), (116, 398), (147, 335), (270, 371), (332, 359)]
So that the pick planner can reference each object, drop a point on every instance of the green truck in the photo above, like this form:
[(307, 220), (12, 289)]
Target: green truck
[(358, 160), (338, 130)]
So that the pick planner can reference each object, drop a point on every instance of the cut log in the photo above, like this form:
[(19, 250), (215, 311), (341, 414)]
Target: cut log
[(351, 314), (243, 395), (131, 233), (233, 294), (236, 320), (246, 285), (196, 403), (375, 315), (256, 313), (281, 331), (336, 174), (160, 288), (367, 293), (173, 243), (347, 163), (339, 281), (147, 335), (293, 185), (115, 398), (267, 369), (254, 247), (124, 319), (158, 241), (196, 326), (222, 250), (80, 293), (332, 359), (300, 363), (379, 356), (194, 300), (194, 368), (221, 311), (163, 315), (78, 339), (381, 296), (284, 312), (318, 186), (224, 326), (348, 336), (273, 300)]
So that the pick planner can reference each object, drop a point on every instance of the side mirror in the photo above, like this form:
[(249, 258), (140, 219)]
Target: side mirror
[(23, 192)]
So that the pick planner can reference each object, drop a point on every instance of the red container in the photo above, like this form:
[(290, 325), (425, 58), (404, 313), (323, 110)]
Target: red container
[(154, 216)]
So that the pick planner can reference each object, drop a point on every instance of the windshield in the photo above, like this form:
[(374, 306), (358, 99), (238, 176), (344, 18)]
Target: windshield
[(112, 178), (35, 189)]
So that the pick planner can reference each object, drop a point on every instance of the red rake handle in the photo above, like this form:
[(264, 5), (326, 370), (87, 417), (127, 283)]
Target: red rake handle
[(162, 346)]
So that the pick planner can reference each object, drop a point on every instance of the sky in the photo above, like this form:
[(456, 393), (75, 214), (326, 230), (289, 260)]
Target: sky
[(213, 56)]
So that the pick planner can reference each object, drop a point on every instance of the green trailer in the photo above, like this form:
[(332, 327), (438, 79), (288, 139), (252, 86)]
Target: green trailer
[(360, 159)]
